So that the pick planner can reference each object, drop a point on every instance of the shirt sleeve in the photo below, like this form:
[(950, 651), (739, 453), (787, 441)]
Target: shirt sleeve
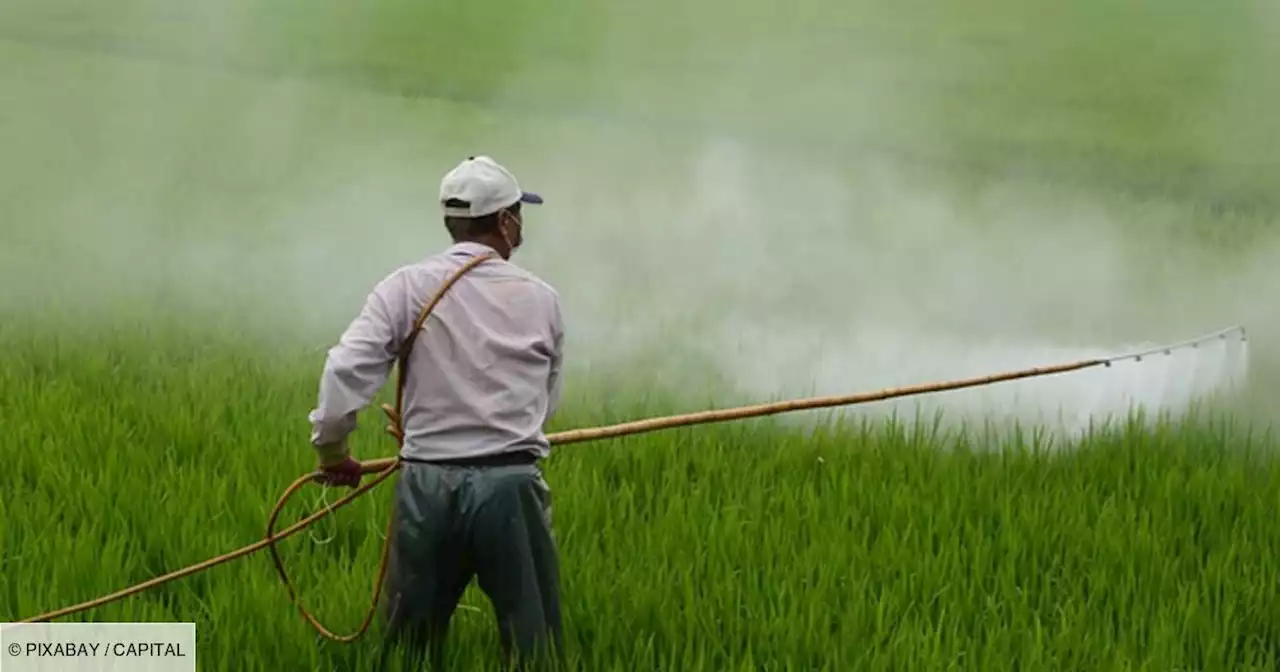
[(358, 366), (555, 379)]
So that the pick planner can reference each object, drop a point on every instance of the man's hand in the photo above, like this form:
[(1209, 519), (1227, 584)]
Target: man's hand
[(346, 472)]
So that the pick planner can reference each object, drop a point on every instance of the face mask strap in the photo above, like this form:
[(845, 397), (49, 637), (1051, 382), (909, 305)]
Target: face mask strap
[(502, 228)]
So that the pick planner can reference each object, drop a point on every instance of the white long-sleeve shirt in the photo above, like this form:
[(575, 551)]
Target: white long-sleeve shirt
[(484, 375)]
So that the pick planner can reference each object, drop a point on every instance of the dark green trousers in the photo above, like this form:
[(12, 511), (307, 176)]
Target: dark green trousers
[(453, 523)]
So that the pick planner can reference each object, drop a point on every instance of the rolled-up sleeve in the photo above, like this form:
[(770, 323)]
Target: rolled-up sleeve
[(358, 366)]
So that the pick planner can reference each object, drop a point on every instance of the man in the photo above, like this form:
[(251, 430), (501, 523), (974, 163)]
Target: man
[(483, 377)]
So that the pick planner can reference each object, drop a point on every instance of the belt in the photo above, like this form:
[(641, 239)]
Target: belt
[(507, 459)]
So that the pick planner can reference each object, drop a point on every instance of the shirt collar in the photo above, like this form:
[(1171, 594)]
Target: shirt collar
[(472, 249)]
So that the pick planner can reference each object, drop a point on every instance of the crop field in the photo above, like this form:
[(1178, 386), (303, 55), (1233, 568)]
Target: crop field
[(746, 201)]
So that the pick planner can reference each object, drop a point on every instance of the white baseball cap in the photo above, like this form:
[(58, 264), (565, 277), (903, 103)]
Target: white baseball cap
[(484, 185)]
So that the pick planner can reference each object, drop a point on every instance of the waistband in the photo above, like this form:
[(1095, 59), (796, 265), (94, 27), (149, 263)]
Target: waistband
[(508, 459)]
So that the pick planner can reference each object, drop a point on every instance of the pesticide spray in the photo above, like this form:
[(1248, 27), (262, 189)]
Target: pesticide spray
[(1144, 381), (876, 280)]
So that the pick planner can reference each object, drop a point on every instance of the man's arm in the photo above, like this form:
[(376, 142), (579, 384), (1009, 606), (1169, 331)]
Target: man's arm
[(358, 366), (555, 379)]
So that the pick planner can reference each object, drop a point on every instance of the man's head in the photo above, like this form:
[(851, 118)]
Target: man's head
[(482, 202)]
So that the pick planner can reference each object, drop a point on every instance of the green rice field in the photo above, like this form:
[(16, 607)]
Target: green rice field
[(745, 202)]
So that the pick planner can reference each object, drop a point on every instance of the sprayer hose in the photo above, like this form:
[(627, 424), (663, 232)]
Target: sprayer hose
[(384, 468)]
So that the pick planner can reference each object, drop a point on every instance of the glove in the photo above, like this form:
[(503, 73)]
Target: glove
[(347, 472)]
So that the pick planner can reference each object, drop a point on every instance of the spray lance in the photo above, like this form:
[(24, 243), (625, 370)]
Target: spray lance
[(382, 469)]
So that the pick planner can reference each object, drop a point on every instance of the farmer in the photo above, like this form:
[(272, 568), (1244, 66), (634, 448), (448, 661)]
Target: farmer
[(483, 377)]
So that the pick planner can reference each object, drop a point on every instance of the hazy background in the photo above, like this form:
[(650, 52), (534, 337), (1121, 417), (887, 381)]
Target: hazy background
[(760, 199)]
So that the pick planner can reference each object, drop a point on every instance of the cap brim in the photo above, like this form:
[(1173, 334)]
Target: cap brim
[(531, 198)]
